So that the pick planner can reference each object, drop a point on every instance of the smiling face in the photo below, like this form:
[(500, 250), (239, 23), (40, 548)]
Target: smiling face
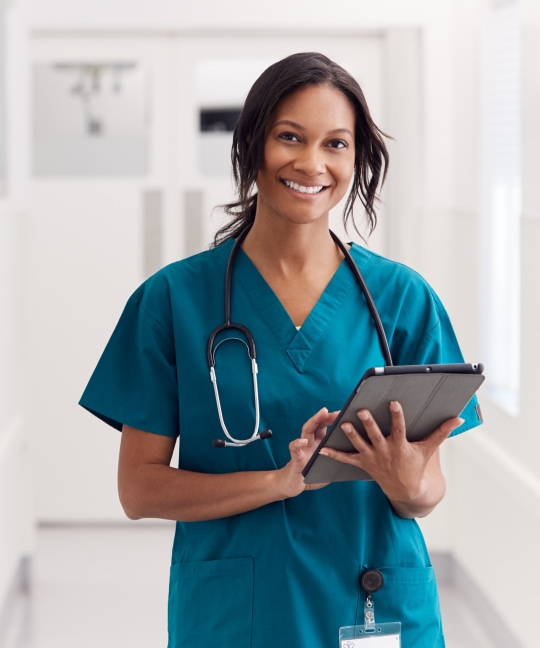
[(308, 155)]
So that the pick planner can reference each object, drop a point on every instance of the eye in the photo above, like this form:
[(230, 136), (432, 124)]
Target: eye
[(289, 137), (337, 144)]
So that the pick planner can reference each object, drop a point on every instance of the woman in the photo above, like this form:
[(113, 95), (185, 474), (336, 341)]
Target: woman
[(259, 558)]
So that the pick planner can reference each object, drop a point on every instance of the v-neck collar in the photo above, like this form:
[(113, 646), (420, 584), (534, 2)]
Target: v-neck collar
[(298, 344)]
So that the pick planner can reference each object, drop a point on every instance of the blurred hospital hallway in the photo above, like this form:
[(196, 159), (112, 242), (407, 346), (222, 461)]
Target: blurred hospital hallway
[(116, 121), (107, 587)]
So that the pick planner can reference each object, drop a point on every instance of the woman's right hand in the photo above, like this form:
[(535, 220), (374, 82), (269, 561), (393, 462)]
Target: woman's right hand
[(290, 476)]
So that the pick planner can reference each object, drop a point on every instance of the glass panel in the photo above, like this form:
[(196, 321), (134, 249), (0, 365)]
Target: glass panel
[(221, 89), (501, 209), (90, 119)]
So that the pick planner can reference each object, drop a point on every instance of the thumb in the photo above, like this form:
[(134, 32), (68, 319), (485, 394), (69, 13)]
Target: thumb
[(443, 432), (449, 426)]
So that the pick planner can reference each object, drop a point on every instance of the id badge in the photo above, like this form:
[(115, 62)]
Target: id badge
[(371, 634), (383, 635)]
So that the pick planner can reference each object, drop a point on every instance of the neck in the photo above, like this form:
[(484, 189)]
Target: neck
[(291, 248)]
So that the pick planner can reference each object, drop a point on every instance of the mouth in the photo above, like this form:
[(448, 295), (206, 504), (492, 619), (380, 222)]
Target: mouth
[(313, 189)]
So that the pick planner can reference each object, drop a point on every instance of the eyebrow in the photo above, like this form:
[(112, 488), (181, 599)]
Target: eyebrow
[(287, 122)]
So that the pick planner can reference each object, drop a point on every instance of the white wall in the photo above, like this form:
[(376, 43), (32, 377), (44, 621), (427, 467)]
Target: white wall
[(240, 14), (493, 473), (16, 513), (3, 133)]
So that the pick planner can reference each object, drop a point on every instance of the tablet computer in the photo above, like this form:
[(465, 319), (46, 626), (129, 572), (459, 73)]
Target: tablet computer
[(428, 394)]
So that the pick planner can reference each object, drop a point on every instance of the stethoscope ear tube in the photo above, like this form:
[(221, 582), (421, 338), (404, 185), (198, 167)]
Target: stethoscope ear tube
[(228, 272), (369, 299)]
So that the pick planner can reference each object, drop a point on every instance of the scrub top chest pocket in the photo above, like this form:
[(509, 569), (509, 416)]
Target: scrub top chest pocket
[(407, 597)]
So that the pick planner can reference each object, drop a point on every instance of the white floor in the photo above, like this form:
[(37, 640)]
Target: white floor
[(107, 587)]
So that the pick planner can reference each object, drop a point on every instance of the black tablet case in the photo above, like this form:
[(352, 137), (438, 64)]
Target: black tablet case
[(429, 395)]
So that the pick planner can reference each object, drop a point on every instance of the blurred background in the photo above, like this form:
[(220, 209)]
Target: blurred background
[(115, 130)]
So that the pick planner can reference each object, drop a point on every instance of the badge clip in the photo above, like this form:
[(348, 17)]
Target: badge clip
[(371, 580)]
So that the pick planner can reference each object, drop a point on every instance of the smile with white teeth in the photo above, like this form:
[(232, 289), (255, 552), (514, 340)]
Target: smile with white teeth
[(301, 188)]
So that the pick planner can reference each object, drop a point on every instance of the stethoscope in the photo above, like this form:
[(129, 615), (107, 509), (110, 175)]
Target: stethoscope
[(211, 348)]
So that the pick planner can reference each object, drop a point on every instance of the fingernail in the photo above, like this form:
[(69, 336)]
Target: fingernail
[(347, 428), (394, 406), (324, 452), (363, 415)]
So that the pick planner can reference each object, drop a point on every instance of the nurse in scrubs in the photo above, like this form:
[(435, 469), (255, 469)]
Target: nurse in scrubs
[(260, 559)]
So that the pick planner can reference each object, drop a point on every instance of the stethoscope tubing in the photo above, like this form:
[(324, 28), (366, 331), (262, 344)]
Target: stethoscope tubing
[(254, 371), (211, 347), (369, 299)]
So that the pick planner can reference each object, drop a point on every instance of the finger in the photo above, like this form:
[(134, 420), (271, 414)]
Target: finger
[(343, 457), (324, 424), (317, 423), (332, 416), (297, 447), (399, 429), (373, 431), (358, 442)]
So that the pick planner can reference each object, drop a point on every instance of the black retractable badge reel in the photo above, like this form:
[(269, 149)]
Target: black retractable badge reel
[(371, 581), (388, 634)]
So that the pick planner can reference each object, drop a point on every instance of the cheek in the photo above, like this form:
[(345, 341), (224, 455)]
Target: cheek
[(275, 157), (345, 172)]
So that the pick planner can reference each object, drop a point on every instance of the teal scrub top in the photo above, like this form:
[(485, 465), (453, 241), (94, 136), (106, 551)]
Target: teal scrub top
[(285, 574)]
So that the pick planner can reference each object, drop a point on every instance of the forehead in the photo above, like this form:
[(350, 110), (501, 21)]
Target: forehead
[(316, 104)]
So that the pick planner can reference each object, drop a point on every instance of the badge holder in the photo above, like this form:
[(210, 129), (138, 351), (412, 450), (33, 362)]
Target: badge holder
[(371, 634)]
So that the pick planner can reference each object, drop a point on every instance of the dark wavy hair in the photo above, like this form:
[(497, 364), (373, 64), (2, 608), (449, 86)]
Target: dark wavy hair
[(277, 82)]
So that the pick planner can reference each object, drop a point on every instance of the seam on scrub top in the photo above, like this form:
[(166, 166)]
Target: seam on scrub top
[(156, 321)]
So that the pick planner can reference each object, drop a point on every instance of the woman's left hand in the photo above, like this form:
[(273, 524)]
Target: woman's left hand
[(409, 473)]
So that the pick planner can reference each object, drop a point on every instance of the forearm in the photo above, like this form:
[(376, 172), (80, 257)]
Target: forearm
[(150, 488), (158, 491)]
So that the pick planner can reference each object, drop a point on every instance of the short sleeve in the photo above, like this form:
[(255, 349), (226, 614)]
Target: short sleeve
[(135, 381), (435, 342)]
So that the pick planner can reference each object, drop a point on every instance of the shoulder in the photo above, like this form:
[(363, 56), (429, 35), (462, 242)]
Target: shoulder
[(415, 321), (163, 297), (392, 278), (182, 277)]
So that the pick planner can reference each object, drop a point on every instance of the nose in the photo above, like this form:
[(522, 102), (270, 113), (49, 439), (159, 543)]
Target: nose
[(310, 160)]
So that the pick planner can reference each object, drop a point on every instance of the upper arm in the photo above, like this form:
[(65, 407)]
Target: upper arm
[(139, 449)]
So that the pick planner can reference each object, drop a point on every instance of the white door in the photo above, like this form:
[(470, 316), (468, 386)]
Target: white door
[(101, 176)]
